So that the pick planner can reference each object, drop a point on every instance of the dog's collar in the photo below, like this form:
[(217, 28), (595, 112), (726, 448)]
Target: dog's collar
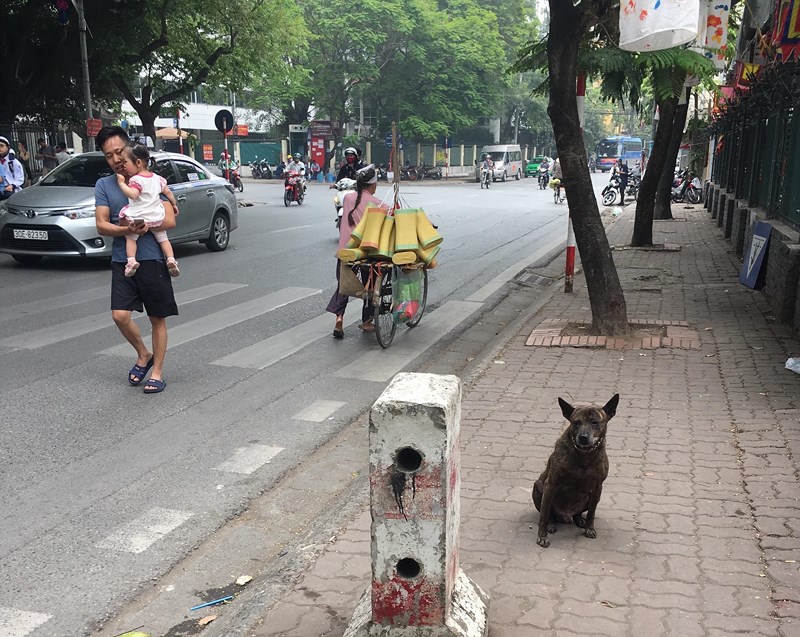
[(590, 449)]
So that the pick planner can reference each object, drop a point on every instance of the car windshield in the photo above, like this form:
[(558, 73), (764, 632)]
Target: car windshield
[(78, 171), (496, 156), (536, 160)]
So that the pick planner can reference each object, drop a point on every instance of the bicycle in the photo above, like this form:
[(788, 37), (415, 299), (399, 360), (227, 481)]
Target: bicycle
[(379, 286), (486, 177), (558, 196)]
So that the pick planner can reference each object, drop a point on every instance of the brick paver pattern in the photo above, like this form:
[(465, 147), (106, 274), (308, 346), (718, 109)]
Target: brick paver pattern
[(698, 528)]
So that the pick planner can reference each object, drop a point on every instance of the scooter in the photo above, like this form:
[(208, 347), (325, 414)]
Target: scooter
[(486, 177), (293, 189), (343, 185), (685, 189), (382, 174), (235, 179), (429, 172), (255, 169), (611, 191), (266, 169), (543, 176)]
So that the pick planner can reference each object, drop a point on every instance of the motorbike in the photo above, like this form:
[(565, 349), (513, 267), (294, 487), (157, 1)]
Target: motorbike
[(343, 185), (684, 188), (255, 169), (486, 177), (543, 177), (266, 169), (611, 190), (408, 173), (293, 189), (429, 172), (382, 174), (235, 179)]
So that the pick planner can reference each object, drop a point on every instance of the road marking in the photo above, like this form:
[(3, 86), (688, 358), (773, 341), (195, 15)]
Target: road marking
[(140, 534), (19, 623), (52, 303), (217, 321), (290, 229), (319, 410), (79, 327), (272, 349), (248, 459), (380, 365), (510, 272)]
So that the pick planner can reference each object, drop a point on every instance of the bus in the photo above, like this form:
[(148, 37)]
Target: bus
[(610, 149)]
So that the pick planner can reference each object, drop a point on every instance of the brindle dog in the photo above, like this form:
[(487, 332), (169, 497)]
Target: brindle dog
[(572, 481)]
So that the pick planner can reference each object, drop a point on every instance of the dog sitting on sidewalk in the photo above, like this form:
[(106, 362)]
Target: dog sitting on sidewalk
[(572, 481)]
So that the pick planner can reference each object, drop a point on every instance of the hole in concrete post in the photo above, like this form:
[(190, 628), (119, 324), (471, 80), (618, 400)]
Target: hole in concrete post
[(408, 460), (408, 568)]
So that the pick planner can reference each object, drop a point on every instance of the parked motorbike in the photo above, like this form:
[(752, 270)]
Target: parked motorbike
[(255, 169), (266, 169), (543, 177), (684, 188), (382, 174), (343, 185), (293, 188), (429, 172), (408, 173)]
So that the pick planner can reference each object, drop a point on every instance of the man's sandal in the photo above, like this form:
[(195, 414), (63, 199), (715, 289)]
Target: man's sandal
[(138, 372), (154, 386)]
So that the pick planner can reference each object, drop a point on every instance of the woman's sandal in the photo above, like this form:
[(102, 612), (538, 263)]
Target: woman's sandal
[(338, 329), (138, 372)]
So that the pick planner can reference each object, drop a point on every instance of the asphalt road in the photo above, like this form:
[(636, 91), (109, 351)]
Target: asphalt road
[(105, 488)]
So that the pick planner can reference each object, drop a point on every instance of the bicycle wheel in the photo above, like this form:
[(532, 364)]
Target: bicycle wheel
[(423, 301), (555, 195), (385, 327)]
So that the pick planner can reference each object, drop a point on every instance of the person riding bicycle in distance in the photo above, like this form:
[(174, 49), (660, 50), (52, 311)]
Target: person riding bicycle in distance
[(488, 164), (557, 174)]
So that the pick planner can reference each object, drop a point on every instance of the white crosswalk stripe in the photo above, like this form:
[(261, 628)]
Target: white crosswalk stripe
[(70, 329), (272, 349), (180, 334), (248, 459), (48, 304), (19, 623), (319, 410), (140, 534)]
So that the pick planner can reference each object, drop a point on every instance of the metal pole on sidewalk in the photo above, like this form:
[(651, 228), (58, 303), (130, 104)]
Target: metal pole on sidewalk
[(87, 91), (569, 270)]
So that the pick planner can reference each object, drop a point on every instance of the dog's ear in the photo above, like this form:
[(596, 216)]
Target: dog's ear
[(611, 406), (566, 408)]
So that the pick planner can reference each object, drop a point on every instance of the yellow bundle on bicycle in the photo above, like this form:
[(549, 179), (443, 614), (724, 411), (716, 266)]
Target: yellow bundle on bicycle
[(426, 256), (358, 232), (427, 235), (372, 232), (404, 258), (386, 242), (405, 223), (554, 183), (348, 255)]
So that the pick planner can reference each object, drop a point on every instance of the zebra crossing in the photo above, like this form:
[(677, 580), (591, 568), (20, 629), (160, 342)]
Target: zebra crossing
[(150, 525)]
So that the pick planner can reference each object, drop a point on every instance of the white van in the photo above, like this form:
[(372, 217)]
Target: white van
[(507, 160)]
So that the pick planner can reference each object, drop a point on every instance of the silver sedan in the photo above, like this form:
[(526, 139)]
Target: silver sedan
[(55, 216)]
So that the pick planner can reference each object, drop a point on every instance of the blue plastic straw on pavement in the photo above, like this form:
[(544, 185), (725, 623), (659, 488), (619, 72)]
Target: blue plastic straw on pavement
[(216, 601)]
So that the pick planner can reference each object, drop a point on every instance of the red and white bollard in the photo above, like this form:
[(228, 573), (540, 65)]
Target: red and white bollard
[(569, 269), (417, 586)]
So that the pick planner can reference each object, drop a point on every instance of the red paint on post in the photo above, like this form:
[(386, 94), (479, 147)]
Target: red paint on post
[(404, 602)]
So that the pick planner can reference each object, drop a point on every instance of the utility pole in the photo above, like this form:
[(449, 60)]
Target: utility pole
[(87, 91)]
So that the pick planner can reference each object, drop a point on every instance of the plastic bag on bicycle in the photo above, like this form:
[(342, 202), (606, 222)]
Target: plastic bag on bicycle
[(406, 295)]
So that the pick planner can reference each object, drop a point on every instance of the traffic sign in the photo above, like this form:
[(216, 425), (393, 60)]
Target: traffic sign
[(400, 141), (223, 120), (93, 127)]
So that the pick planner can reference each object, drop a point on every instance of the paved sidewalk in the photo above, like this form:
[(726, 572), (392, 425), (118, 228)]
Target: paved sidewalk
[(699, 523)]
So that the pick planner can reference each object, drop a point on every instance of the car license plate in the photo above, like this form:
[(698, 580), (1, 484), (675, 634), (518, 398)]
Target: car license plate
[(39, 235)]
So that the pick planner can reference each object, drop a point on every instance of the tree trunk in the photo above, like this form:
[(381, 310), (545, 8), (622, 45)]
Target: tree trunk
[(643, 223), (148, 118), (568, 26), (662, 208)]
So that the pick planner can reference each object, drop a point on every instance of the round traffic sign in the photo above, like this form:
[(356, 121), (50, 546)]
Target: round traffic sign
[(223, 120)]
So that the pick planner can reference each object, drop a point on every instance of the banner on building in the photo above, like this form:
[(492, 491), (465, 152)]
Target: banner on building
[(786, 35), (716, 43), (653, 25)]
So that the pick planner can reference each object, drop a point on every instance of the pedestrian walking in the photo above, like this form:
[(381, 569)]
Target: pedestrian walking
[(150, 288), (623, 179), (47, 156), (61, 153)]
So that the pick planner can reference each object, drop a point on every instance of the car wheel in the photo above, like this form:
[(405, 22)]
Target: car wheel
[(505, 176), (220, 233), (517, 176), (26, 259)]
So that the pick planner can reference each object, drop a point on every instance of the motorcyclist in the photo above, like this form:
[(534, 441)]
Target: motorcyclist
[(488, 164), (296, 165), (226, 162), (352, 164)]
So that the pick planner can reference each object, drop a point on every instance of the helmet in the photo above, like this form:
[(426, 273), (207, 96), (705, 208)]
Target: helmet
[(350, 151), (296, 156)]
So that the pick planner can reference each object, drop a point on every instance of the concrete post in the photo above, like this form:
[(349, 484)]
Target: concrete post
[(417, 586)]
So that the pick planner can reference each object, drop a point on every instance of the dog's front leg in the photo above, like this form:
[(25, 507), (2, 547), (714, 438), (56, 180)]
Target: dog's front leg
[(588, 524), (544, 516)]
